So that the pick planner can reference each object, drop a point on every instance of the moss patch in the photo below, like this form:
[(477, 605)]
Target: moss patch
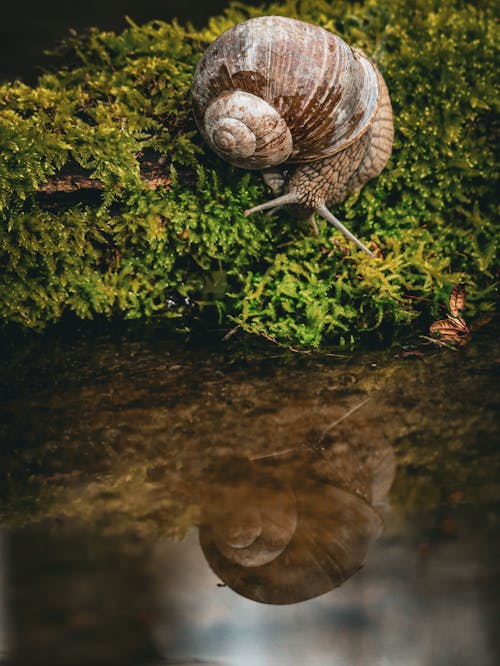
[(184, 250)]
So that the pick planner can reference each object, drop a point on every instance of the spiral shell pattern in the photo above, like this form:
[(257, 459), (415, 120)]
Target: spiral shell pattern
[(314, 94), (246, 131)]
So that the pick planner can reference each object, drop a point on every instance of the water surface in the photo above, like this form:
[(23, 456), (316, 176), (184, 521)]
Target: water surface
[(163, 502)]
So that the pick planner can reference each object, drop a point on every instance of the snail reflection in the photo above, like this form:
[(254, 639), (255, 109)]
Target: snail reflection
[(280, 530)]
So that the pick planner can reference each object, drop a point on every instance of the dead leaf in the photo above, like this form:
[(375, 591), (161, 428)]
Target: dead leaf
[(457, 299), (444, 328), (452, 327), (459, 324)]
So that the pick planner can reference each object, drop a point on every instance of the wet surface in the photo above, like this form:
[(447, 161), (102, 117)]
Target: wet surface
[(166, 503)]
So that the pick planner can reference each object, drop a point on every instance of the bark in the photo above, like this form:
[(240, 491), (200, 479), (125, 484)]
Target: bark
[(73, 179)]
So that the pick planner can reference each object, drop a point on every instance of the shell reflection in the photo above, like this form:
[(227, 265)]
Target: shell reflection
[(280, 533)]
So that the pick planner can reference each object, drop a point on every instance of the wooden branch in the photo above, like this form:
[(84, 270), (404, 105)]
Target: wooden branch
[(69, 183), (72, 178)]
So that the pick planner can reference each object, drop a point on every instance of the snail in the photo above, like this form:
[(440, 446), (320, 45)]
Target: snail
[(253, 518), (280, 534), (295, 101)]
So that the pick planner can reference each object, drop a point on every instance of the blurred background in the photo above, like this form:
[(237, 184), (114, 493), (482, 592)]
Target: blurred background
[(29, 28)]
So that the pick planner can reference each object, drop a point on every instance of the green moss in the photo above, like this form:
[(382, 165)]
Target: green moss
[(186, 250)]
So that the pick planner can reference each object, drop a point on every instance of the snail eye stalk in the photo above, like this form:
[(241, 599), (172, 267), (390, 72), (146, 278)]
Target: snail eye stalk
[(289, 198), (293, 198), (330, 217)]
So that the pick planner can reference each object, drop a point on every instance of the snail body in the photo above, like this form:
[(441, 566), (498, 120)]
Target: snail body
[(295, 101)]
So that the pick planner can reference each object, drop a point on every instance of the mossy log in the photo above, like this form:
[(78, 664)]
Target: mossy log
[(72, 178), (169, 239)]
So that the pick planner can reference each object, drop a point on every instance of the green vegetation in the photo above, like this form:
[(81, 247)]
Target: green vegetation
[(185, 250)]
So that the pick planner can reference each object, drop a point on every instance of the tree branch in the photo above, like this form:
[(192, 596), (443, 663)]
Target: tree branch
[(73, 178)]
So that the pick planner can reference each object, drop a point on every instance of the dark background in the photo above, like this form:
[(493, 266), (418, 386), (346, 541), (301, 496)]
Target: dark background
[(28, 27)]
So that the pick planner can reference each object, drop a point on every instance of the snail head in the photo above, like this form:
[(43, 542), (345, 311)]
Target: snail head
[(295, 197)]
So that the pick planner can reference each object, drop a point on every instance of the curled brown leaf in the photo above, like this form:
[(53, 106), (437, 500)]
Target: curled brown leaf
[(450, 328), (457, 299), (453, 329)]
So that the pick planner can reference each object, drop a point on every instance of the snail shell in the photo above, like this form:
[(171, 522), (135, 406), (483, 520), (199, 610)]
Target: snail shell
[(276, 545), (274, 89), (252, 520)]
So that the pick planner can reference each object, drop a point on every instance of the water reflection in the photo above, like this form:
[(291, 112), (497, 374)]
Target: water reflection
[(278, 528), (122, 457), (283, 531)]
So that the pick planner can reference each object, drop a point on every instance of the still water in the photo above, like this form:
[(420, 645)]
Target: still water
[(166, 503)]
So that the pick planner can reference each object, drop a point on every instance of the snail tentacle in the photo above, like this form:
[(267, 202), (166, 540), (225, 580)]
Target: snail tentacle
[(283, 200), (330, 217), (321, 209)]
